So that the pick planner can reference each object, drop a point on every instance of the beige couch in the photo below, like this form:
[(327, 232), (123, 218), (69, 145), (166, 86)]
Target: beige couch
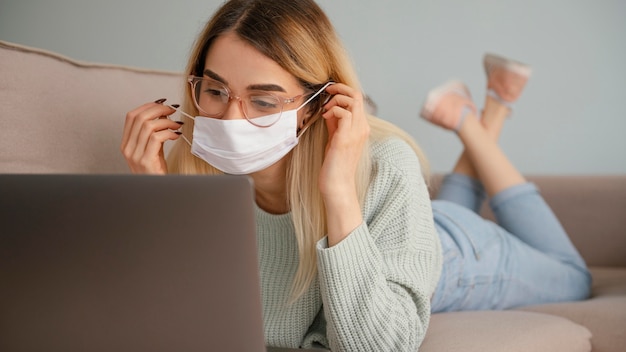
[(63, 116)]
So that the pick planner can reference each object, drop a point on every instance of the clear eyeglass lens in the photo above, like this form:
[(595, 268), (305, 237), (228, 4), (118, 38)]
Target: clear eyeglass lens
[(260, 108)]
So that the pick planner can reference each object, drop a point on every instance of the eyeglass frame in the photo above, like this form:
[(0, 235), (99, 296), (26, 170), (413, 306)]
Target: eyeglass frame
[(193, 81)]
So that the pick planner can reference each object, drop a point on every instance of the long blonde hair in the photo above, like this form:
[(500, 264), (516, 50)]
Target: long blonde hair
[(300, 38)]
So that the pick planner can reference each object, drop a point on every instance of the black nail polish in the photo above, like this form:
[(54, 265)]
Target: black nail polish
[(178, 132), (180, 122), (160, 101), (176, 106)]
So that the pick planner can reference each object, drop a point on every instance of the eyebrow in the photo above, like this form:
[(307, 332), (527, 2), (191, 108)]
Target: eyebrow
[(268, 87)]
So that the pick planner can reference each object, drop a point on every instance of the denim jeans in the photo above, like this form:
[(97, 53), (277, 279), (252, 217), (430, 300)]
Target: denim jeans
[(526, 258)]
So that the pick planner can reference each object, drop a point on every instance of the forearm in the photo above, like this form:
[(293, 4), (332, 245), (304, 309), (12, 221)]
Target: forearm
[(343, 215), (367, 306)]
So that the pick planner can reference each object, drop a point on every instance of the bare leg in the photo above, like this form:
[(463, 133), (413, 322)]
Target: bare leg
[(491, 165), (493, 117), (506, 78), (450, 107)]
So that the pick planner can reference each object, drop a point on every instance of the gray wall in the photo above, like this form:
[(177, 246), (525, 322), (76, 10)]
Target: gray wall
[(570, 119)]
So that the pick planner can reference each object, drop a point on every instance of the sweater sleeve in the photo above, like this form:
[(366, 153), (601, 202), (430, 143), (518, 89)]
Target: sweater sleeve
[(376, 284)]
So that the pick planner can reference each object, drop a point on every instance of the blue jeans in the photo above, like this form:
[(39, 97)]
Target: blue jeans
[(526, 258)]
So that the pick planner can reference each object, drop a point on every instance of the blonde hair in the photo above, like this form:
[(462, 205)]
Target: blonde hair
[(300, 38)]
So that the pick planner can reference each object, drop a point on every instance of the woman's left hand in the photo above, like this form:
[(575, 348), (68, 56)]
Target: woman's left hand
[(348, 132)]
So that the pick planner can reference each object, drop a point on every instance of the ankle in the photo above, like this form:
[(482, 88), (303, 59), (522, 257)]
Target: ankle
[(497, 99), (469, 122), (495, 110)]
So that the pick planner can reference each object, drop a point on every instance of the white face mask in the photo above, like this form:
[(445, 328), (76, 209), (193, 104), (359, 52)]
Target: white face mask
[(238, 147)]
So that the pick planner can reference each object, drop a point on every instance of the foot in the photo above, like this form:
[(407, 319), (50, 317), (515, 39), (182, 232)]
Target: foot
[(506, 78), (448, 105)]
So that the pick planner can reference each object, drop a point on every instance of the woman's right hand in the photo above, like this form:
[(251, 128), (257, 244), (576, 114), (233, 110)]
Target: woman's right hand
[(145, 131)]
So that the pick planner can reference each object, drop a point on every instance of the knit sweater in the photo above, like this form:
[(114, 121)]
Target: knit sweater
[(373, 288)]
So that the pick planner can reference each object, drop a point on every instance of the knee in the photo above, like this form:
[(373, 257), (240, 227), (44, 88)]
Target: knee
[(581, 284)]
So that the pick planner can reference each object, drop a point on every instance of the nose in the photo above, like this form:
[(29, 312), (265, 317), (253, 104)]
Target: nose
[(234, 109)]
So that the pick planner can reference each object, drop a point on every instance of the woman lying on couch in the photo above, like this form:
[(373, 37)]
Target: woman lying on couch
[(358, 246)]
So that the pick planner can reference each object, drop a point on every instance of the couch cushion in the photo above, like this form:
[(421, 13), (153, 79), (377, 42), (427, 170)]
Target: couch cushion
[(604, 314), (486, 331), (64, 116)]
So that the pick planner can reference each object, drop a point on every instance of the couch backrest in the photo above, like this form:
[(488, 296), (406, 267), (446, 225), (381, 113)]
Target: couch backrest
[(64, 116)]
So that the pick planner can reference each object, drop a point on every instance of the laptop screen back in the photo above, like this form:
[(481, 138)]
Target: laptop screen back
[(128, 263)]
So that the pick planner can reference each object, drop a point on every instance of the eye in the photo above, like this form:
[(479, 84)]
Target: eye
[(214, 92), (264, 103), (212, 89)]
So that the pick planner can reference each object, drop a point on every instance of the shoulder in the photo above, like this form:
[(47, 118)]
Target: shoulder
[(395, 154), (397, 209), (396, 174)]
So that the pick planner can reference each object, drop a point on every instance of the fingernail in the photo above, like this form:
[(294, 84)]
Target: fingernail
[(180, 122), (176, 106), (160, 101), (178, 132)]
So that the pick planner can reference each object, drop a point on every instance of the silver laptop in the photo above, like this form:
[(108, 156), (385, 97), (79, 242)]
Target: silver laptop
[(128, 263)]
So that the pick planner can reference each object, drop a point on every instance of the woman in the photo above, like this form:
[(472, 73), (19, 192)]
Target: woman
[(348, 249)]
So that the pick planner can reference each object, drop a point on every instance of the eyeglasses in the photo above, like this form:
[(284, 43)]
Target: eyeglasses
[(260, 108)]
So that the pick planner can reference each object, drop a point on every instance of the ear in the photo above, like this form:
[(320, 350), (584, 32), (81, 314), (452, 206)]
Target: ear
[(314, 109), (311, 111), (309, 117)]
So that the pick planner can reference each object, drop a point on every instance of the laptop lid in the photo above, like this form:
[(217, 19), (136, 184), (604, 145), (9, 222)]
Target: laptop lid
[(128, 263)]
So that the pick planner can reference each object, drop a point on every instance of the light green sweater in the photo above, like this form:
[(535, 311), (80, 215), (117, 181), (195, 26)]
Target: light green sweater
[(373, 288)]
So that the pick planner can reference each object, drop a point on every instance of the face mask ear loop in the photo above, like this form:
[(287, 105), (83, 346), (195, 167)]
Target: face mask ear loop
[(185, 114), (305, 127), (315, 95), (186, 140), (180, 111)]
